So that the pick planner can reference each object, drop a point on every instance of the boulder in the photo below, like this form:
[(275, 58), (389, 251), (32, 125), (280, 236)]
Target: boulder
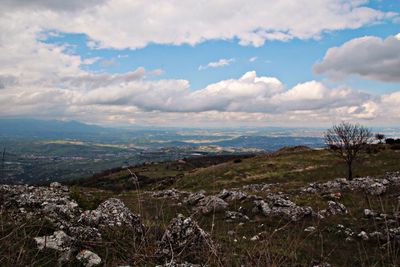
[(276, 205), (194, 198), (235, 216), (369, 213), (232, 195), (88, 258), (184, 237), (112, 213), (334, 208), (309, 229), (59, 241), (210, 204), (363, 235), (376, 189)]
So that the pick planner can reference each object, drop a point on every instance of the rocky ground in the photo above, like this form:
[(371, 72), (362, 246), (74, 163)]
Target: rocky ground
[(251, 225)]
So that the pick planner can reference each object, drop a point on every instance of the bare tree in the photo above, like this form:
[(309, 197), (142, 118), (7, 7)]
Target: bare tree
[(346, 140), (379, 137)]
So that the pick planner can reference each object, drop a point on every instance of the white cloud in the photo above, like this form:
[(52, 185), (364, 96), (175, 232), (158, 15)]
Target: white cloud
[(215, 64), (369, 57), (248, 100), (90, 61), (192, 22), (44, 80), (252, 59)]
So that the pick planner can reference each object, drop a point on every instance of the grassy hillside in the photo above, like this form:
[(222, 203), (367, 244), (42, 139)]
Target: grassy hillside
[(291, 166), (280, 242)]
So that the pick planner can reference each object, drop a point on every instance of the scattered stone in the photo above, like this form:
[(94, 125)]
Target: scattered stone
[(317, 263), (348, 232), (236, 216), (369, 213), (231, 233), (184, 264), (309, 229), (336, 195), (394, 234), (262, 206), (377, 235), (232, 195), (376, 189), (255, 238), (168, 193), (363, 235), (334, 208), (194, 198), (278, 206), (59, 241), (262, 187), (88, 258), (372, 186), (343, 230)]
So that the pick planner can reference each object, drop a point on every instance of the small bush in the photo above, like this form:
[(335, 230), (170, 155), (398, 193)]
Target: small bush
[(392, 141), (395, 147)]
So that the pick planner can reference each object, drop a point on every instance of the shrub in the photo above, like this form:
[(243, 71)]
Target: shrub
[(395, 147)]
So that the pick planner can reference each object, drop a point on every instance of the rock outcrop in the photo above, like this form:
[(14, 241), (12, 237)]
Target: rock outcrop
[(112, 213), (370, 185), (54, 204), (277, 205), (88, 258), (184, 238), (334, 208), (210, 204)]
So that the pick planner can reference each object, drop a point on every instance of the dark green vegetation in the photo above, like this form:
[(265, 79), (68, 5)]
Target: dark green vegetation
[(281, 243)]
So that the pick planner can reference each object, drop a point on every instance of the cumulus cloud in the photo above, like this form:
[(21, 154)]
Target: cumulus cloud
[(368, 57), (89, 81), (215, 64), (250, 99)]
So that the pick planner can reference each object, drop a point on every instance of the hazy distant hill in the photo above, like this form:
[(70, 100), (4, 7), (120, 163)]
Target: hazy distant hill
[(32, 128), (270, 143)]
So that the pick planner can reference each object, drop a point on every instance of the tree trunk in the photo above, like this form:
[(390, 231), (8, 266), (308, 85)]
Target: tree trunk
[(350, 171)]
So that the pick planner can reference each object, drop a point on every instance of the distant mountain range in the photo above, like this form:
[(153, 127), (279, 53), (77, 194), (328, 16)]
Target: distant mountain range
[(44, 129)]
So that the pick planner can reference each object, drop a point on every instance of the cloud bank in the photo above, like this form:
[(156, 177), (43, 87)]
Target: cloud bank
[(250, 99), (368, 57), (109, 22)]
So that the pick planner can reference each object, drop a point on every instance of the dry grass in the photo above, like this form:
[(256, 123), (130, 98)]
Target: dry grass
[(281, 243)]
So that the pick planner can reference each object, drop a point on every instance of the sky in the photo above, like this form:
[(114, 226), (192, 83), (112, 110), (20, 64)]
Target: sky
[(201, 63)]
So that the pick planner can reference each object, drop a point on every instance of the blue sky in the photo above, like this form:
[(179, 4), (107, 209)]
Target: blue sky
[(290, 61), (166, 48)]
